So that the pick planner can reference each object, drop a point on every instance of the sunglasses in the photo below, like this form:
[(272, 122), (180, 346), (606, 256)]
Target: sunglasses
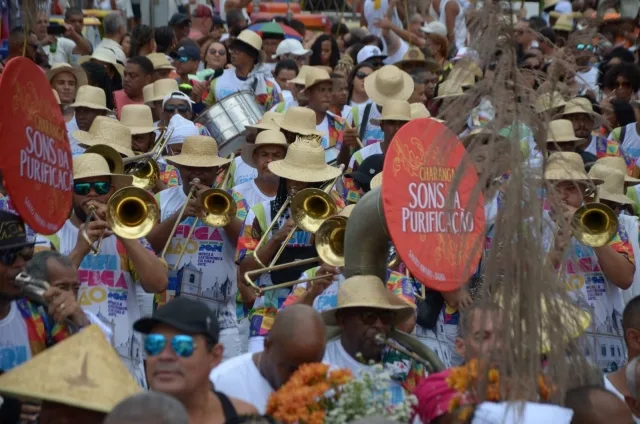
[(587, 47), (370, 317), (181, 344), (361, 75), (179, 108), (183, 59), (221, 52), (8, 257), (100, 187)]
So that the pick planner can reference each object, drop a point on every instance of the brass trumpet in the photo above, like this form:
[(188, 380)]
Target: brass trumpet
[(594, 224)]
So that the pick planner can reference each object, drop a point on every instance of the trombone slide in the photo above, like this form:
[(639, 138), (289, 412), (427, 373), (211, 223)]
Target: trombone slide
[(249, 274), (95, 250), (178, 220)]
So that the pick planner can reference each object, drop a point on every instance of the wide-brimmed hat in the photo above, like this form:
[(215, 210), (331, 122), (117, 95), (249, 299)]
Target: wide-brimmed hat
[(300, 79), (561, 131), (107, 131), (549, 101), (90, 165), (567, 166), (95, 380), (419, 110), (160, 89), (388, 83), (582, 105), (612, 188), (300, 120), (304, 162), (105, 55), (265, 138), (198, 151), (91, 97), (250, 38), (160, 62), (617, 163), (270, 121), (368, 291), (315, 76), (414, 56), (394, 110), (79, 74), (564, 23), (448, 89), (138, 118), (376, 181)]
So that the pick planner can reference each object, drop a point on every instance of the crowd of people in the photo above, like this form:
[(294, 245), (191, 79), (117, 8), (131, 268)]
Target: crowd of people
[(193, 310)]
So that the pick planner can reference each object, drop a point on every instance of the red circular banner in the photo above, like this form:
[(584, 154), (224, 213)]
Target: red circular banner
[(36, 157), (438, 233)]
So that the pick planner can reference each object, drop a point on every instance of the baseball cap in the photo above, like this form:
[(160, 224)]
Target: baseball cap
[(435, 27), (13, 233), (188, 51), (217, 20), (184, 314), (203, 11), (179, 19), (368, 169), (370, 52), (290, 46)]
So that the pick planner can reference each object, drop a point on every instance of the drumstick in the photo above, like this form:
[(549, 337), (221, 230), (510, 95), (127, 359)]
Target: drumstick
[(357, 138)]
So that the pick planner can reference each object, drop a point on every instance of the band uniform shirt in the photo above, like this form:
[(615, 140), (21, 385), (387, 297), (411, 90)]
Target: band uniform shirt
[(228, 84), (207, 270), (240, 172), (252, 194), (332, 129), (372, 133)]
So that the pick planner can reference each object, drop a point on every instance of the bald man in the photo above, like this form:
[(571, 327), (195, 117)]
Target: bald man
[(148, 408), (297, 337), (596, 405)]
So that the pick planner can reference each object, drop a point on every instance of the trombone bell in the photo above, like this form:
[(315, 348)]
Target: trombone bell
[(145, 173), (311, 207), (594, 224), (111, 155), (218, 206), (132, 212), (330, 240)]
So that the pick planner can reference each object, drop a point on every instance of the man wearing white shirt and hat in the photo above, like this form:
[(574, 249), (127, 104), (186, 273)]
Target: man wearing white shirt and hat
[(90, 103)]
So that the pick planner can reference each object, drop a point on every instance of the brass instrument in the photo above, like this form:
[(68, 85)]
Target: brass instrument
[(432, 363), (95, 250), (594, 224), (192, 192), (144, 167)]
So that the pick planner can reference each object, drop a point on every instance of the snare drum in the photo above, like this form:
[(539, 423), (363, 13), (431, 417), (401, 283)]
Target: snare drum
[(331, 155), (227, 119)]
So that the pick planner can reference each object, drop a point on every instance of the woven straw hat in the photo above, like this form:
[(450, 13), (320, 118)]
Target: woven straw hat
[(147, 93), (161, 89), (549, 101), (91, 97), (265, 138), (137, 118), (394, 110), (82, 371), (582, 105), (88, 165), (199, 151), (376, 181), (612, 189), (55, 94), (414, 56), (300, 79), (160, 62), (77, 71), (304, 162), (617, 163), (367, 291), (419, 110), (561, 131), (449, 89), (250, 38), (564, 23), (107, 131), (567, 166), (315, 76), (270, 121), (105, 55), (300, 120), (388, 83)]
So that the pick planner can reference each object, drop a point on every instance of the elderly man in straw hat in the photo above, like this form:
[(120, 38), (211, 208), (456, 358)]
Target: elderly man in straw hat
[(595, 275), (211, 248), (66, 80), (303, 167), (78, 381), (111, 277), (248, 73), (90, 103)]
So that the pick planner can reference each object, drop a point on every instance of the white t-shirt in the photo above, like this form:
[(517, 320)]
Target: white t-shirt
[(14, 340), (251, 193), (207, 271), (365, 152), (459, 26), (240, 378), (398, 55), (63, 53), (371, 14), (610, 387), (372, 133), (589, 79), (241, 172), (631, 142), (228, 83), (115, 47), (72, 126)]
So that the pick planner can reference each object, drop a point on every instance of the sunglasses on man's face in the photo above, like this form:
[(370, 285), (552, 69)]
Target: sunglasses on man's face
[(183, 59), (584, 47), (182, 344), (8, 257), (361, 75), (84, 188), (179, 108)]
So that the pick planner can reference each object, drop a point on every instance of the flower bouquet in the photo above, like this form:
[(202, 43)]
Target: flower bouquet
[(316, 395)]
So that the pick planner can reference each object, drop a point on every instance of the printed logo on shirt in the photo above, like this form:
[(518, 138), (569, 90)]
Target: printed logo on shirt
[(12, 356)]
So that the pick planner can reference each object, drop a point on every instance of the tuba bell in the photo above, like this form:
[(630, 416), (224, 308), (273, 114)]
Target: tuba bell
[(132, 212), (594, 224)]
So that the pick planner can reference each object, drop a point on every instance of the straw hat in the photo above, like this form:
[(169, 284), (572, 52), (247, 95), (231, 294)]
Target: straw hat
[(564, 23), (199, 151), (265, 138), (582, 105), (88, 165), (91, 97), (612, 189), (419, 110), (561, 131), (304, 162), (105, 55), (160, 62), (315, 76), (414, 56), (367, 291), (548, 3), (376, 181), (618, 163), (250, 38), (394, 110), (107, 131), (161, 89), (549, 101), (300, 79), (449, 89), (388, 83), (79, 74), (300, 120), (567, 166), (82, 371), (270, 121), (137, 118), (55, 94), (147, 93)]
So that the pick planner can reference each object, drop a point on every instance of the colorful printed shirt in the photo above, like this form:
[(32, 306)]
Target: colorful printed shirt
[(229, 83), (41, 329), (169, 174), (332, 128), (372, 133), (602, 147)]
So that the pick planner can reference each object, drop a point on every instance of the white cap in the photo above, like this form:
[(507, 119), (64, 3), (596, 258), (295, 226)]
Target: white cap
[(290, 46), (178, 95), (435, 27), (182, 128), (370, 52)]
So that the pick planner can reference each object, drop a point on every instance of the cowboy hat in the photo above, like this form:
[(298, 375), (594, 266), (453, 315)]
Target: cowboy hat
[(107, 131), (300, 120), (79, 74), (394, 110), (95, 380), (582, 105), (414, 56), (561, 131), (265, 138), (198, 151), (89, 165), (368, 291), (612, 189), (138, 118), (567, 166), (617, 163), (388, 83), (161, 88), (103, 54), (549, 101), (315, 76), (270, 121), (304, 162), (160, 62), (91, 97)]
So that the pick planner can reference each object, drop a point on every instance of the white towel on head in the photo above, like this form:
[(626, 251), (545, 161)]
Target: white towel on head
[(533, 413), (182, 128)]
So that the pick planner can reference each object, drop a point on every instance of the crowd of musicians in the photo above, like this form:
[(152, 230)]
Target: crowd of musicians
[(205, 269)]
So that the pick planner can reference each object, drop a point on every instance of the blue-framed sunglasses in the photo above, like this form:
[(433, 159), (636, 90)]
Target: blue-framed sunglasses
[(100, 187), (182, 344), (587, 47)]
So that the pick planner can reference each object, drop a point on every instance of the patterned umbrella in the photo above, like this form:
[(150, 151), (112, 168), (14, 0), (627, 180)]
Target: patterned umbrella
[(275, 28)]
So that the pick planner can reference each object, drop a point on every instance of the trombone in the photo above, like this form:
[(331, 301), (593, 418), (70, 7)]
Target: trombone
[(594, 224), (144, 167)]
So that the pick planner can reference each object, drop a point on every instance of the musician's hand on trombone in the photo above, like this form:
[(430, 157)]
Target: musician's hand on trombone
[(315, 288), (63, 305), (281, 235)]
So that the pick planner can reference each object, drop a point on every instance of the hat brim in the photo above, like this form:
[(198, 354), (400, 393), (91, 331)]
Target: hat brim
[(79, 74), (118, 180), (578, 141), (248, 149), (283, 169), (316, 82), (21, 244), (164, 68), (89, 106), (146, 325), (300, 131), (301, 53), (430, 65), (403, 313), (263, 126), (614, 197), (84, 137), (630, 181), (379, 98), (570, 175), (376, 121), (370, 58), (197, 161), (141, 130), (598, 120)]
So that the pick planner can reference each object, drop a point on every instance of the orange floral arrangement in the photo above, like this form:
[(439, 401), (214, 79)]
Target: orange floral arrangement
[(303, 398)]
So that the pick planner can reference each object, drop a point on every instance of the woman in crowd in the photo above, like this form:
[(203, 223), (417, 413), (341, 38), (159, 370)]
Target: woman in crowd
[(142, 41), (125, 43), (214, 55), (439, 48), (357, 96), (324, 52)]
